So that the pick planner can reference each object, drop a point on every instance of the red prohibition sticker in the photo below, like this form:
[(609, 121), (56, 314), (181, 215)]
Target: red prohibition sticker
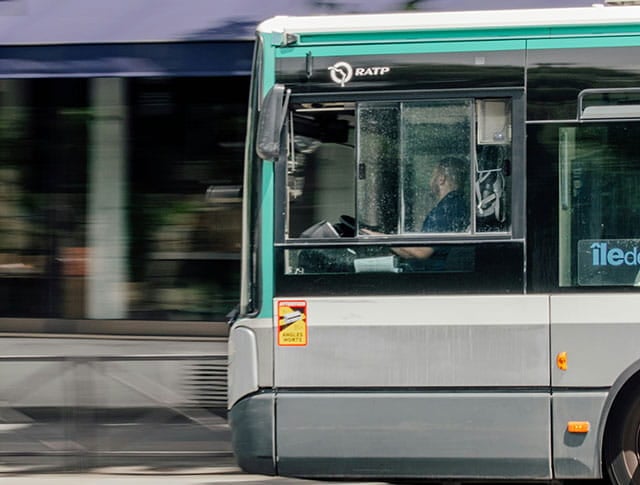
[(292, 323)]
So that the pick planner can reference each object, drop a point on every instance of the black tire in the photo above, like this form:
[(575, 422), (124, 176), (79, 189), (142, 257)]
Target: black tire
[(622, 446)]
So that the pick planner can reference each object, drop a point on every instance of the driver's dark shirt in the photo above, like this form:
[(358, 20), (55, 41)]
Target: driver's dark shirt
[(451, 214)]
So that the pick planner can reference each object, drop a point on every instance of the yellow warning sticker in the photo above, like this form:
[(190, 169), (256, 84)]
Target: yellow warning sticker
[(292, 323)]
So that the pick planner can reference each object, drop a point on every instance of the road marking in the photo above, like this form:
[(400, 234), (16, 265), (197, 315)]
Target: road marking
[(143, 470), (7, 427)]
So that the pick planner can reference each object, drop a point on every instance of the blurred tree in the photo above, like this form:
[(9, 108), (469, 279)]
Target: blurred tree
[(327, 4), (412, 4), (341, 6)]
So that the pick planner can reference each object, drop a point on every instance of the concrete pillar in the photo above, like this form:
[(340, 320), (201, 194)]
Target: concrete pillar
[(107, 236)]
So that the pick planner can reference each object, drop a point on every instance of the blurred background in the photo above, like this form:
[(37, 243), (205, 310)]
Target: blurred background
[(122, 128)]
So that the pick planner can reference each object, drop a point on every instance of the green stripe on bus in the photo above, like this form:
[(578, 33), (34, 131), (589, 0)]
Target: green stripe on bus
[(267, 261), (584, 42), (410, 48), (268, 64), (443, 47), (413, 36)]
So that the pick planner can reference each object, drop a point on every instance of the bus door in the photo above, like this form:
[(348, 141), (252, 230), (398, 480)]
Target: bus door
[(594, 322), (404, 343)]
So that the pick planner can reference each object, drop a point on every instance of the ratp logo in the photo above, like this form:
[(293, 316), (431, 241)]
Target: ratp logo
[(342, 72)]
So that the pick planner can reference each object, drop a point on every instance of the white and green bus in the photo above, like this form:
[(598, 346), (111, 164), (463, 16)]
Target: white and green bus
[(376, 340)]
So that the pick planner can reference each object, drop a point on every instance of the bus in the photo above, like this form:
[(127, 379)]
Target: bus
[(375, 338)]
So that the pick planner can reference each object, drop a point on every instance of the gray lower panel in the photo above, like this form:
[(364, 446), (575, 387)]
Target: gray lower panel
[(578, 455), (430, 435), (251, 421)]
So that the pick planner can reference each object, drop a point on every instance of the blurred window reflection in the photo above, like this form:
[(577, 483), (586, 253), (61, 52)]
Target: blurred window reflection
[(102, 197)]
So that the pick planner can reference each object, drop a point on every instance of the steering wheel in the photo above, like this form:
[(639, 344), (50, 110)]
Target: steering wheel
[(346, 226)]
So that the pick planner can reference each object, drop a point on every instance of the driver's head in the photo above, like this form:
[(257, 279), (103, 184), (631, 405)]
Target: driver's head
[(449, 174)]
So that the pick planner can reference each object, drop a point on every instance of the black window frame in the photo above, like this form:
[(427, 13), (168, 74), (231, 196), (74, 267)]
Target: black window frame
[(508, 248)]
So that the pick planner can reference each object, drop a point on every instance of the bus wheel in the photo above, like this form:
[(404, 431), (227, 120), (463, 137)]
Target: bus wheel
[(622, 445)]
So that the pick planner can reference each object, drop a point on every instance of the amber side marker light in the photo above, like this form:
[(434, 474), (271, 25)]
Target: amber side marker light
[(561, 360), (578, 426)]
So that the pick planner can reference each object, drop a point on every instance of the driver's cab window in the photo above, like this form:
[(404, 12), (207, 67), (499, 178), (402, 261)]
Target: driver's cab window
[(320, 167), (390, 173), (414, 167)]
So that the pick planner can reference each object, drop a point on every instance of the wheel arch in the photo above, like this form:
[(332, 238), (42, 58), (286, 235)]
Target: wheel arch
[(625, 387)]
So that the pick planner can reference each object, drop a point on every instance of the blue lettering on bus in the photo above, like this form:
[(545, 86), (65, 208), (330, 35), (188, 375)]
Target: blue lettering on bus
[(603, 255)]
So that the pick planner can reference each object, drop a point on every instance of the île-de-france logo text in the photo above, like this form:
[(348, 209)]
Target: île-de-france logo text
[(342, 72)]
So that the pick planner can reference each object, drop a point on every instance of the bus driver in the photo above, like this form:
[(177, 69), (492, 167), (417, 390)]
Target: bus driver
[(451, 212)]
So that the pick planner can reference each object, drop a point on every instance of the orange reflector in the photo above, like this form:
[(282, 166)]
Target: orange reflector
[(578, 426), (561, 360)]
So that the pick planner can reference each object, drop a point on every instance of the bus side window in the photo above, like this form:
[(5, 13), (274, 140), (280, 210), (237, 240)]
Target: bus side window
[(435, 166), (491, 186), (492, 181), (378, 155), (599, 204)]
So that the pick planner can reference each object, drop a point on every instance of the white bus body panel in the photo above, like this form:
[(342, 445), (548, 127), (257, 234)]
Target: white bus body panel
[(579, 323), (436, 342)]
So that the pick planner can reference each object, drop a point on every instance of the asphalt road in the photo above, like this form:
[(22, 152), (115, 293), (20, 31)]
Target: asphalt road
[(87, 447), (152, 447), (142, 475)]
